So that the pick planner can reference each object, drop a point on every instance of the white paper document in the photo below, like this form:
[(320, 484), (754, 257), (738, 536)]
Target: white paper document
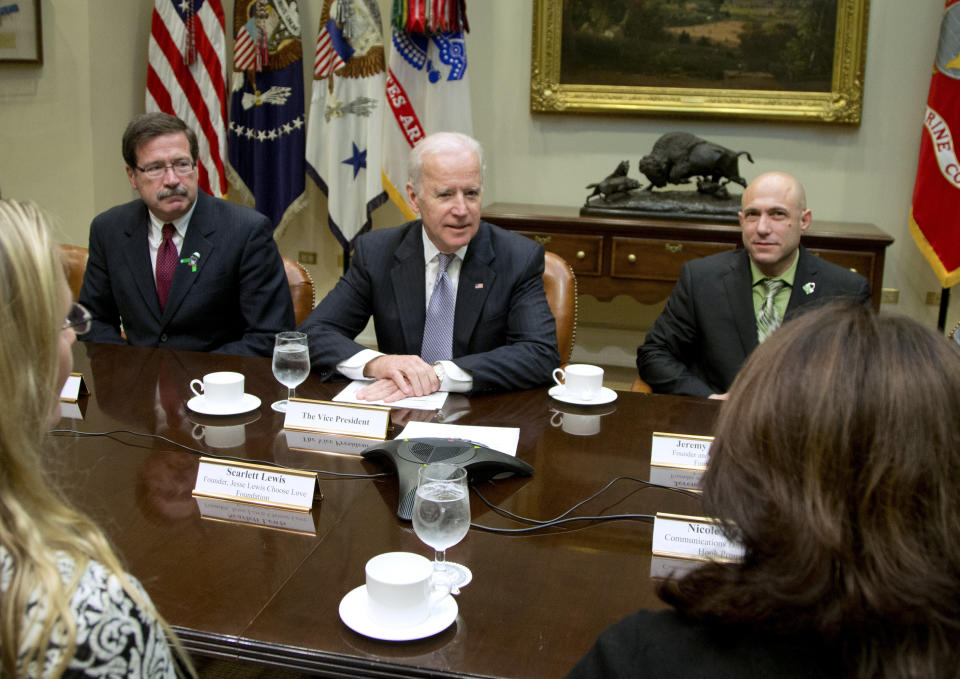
[(432, 401), (504, 439)]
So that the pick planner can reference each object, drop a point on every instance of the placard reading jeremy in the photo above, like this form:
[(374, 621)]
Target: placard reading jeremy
[(692, 537), (337, 418), (680, 450), (255, 484)]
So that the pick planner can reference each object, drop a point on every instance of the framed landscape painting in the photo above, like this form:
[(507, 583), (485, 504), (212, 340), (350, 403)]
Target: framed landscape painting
[(774, 59)]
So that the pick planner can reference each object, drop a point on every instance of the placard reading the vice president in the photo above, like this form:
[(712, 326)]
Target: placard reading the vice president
[(336, 418), (255, 484)]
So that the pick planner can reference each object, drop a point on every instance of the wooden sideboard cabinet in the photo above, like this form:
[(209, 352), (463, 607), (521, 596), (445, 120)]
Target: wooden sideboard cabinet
[(642, 257)]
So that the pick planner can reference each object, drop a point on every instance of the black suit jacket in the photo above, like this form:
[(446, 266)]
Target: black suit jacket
[(708, 327), (504, 333), (235, 302)]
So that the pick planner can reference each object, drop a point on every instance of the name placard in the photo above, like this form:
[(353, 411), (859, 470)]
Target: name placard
[(261, 517), (673, 477), (664, 567), (312, 442), (683, 451), (73, 388), (692, 537), (255, 484), (345, 419)]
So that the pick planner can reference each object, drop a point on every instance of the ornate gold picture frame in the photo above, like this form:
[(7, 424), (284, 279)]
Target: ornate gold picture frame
[(838, 99)]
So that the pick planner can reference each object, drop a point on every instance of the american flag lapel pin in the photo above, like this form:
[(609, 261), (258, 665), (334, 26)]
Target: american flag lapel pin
[(478, 286)]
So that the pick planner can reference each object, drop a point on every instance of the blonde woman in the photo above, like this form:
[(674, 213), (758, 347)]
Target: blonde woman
[(66, 606)]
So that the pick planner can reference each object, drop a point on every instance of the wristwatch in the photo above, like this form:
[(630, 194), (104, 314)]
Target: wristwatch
[(439, 371)]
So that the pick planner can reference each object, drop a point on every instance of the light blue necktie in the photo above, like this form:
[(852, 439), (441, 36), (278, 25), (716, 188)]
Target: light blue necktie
[(438, 327)]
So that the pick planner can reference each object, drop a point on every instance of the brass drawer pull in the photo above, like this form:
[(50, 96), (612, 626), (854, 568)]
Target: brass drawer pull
[(631, 258), (673, 248), (581, 254), (543, 240)]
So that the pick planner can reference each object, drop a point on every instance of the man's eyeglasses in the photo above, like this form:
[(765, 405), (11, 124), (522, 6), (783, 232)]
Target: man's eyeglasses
[(79, 319), (182, 167)]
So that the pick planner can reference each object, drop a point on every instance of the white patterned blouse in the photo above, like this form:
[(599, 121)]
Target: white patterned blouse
[(115, 636)]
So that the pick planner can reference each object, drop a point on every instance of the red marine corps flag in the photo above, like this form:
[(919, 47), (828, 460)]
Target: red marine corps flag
[(935, 213)]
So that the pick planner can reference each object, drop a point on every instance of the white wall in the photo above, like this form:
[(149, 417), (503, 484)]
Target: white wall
[(60, 128), (863, 173)]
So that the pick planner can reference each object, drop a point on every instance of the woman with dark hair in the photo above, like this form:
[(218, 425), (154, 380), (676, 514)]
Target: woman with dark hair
[(836, 464)]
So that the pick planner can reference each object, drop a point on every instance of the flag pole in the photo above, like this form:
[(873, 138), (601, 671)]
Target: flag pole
[(944, 303)]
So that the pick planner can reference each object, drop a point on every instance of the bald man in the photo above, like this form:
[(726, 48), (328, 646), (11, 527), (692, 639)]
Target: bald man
[(724, 305)]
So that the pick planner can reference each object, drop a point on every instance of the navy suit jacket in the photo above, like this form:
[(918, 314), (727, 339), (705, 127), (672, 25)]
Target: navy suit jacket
[(235, 302), (504, 333), (709, 327)]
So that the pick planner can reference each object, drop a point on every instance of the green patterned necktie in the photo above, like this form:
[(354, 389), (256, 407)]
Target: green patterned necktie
[(769, 318)]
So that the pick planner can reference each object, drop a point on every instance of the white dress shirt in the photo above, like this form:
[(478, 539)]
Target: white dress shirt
[(155, 235)]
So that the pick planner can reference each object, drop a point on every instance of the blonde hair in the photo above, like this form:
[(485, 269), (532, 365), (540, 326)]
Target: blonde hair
[(35, 524)]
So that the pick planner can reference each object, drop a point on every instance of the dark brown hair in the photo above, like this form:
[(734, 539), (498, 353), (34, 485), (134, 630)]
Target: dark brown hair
[(837, 463), (148, 126)]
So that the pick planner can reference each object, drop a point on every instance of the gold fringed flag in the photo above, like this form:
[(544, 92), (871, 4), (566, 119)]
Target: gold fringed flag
[(427, 89), (935, 213)]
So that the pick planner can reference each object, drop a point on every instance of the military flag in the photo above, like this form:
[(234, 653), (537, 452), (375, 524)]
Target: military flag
[(266, 135), (346, 115), (186, 77), (935, 213), (427, 87)]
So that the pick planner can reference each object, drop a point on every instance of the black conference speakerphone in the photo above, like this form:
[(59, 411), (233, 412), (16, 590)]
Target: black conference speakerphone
[(408, 455)]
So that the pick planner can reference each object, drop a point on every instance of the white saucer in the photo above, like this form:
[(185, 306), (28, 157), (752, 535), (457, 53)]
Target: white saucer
[(355, 613), (603, 396), (247, 402)]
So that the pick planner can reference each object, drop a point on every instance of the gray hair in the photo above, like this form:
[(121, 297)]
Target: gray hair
[(437, 143)]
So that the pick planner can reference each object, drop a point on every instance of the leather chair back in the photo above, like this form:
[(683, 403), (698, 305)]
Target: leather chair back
[(560, 285), (74, 265), (301, 289)]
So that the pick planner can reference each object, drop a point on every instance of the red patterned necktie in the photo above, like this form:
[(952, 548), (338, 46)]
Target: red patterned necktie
[(166, 264)]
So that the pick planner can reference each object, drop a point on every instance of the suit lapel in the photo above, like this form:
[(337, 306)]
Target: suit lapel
[(805, 288), (409, 288), (136, 255), (739, 293), (197, 241), (476, 281)]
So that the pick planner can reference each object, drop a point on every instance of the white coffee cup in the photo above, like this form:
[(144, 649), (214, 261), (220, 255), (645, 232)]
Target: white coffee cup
[(580, 380), (219, 389), (401, 591), (221, 436), (574, 423)]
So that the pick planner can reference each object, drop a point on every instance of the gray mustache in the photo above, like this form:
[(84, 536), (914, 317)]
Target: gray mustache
[(177, 191)]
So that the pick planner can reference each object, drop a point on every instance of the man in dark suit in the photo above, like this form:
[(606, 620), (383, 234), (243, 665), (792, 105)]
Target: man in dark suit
[(724, 305), (178, 268), (458, 304)]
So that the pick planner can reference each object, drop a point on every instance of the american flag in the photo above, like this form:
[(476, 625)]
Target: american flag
[(333, 51), (250, 48), (186, 78)]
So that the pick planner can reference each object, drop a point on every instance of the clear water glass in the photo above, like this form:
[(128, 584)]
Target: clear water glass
[(441, 517), (291, 364)]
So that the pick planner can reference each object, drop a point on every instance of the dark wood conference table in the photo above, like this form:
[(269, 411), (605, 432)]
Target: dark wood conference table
[(231, 590)]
